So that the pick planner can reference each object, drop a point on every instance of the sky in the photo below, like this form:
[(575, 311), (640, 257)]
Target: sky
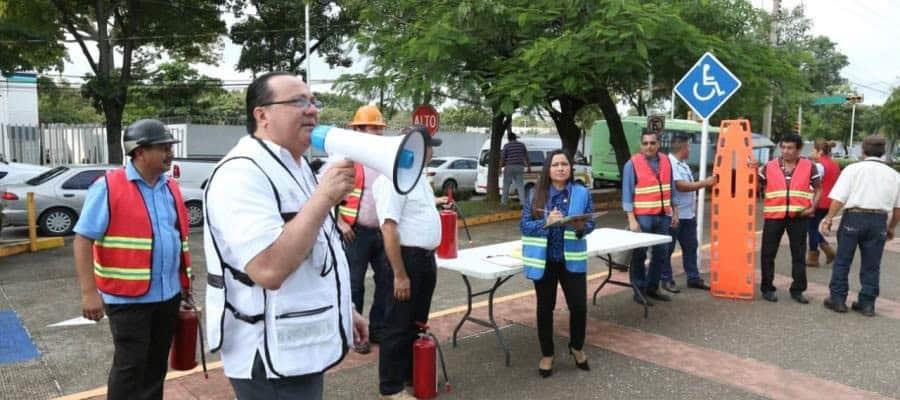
[(864, 30)]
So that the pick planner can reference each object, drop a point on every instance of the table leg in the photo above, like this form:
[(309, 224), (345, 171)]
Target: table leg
[(491, 322), (610, 263), (468, 308)]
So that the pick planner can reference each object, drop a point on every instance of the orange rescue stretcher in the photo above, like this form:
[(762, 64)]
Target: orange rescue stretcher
[(733, 221)]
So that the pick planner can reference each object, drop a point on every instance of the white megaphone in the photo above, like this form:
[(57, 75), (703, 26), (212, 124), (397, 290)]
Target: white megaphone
[(400, 158)]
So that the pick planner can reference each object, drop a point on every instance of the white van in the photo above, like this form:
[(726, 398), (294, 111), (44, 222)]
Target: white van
[(538, 147)]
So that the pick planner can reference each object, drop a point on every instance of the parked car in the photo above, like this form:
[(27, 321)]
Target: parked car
[(12, 173), (59, 195), (456, 173)]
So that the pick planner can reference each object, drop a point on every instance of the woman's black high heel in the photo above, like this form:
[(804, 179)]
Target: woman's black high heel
[(581, 365), (545, 373)]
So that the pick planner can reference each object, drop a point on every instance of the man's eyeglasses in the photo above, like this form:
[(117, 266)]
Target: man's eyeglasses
[(301, 102), (648, 143)]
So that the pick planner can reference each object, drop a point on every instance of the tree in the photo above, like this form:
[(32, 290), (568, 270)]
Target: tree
[(174, 89), (29, 36), (463, 116), (137, 33), (424, 51), (272, 39), (337, 109), (62, 103)]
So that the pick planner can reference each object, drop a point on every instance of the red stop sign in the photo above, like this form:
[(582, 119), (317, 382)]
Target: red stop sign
[(427, 116)]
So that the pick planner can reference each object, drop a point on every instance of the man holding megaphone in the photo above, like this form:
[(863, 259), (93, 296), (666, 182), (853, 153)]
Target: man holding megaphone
[(278, 287)]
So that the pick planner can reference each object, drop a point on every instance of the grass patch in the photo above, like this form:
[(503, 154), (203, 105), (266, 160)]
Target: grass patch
[(472, 208)]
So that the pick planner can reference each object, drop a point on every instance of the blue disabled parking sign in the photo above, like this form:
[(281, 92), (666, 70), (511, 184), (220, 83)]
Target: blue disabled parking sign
[(707, 86)]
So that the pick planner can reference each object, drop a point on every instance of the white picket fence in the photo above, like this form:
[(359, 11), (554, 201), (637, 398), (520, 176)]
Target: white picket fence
[(58, 144)]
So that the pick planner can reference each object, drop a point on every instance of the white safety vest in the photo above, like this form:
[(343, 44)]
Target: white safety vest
[(305, 325)]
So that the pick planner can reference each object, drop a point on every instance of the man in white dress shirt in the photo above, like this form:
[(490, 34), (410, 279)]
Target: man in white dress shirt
[(411, 228), (869, 193)]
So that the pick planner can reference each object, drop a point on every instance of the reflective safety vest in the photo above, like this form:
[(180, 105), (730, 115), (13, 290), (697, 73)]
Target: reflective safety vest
[(534, 248), (829, 178), (123, 256), (783, 201), (652, 190), (349, 207), (304, 326)]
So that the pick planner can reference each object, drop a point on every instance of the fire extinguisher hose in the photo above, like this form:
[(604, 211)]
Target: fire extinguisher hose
[(443, 364), (202, 347), (463, 218)]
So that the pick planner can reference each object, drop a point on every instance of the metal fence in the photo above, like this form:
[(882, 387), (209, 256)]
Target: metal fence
[(54, 144)]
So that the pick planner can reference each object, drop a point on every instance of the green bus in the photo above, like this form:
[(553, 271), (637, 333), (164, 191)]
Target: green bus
[(605, 171)]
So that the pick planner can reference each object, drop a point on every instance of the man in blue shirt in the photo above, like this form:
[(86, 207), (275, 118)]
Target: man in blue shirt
[(646, 279), (685, 199), (142, 325)]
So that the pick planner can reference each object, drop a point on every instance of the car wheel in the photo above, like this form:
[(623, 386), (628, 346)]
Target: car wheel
[(57, 222), (195, 213), (449, 184)]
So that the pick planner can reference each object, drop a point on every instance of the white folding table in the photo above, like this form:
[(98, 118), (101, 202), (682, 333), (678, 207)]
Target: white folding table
[(493, 262)]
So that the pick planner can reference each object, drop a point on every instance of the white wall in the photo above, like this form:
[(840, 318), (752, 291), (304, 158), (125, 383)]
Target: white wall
[(19, 100)]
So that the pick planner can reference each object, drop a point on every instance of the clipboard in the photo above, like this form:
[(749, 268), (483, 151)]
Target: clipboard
[(575, 218)]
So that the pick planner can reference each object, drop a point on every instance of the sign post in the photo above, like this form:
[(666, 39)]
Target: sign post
[(428, 117), (705, 88)]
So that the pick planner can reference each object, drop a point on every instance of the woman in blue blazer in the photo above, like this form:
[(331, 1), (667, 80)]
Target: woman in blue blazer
[(557, 254)]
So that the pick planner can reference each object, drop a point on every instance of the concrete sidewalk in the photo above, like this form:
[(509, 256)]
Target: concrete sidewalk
[(694, 347)]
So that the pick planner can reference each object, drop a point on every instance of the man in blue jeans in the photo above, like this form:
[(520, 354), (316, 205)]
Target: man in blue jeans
[(646, 198), (869, 193), (684, 199)]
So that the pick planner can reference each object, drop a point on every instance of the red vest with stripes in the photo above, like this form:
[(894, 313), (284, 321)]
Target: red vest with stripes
[(829, 177), (123, 257), (349, 207), (652, 190), (783, 201)]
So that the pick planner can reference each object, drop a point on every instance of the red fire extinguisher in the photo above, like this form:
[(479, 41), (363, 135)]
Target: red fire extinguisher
[(448, 246), (426, 351), (183, 356)]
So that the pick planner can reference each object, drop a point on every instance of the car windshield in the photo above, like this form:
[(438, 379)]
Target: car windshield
[(436, 163), (46, 176)]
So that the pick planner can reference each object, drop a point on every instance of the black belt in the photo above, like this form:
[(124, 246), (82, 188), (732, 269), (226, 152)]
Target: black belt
[(865, 211)]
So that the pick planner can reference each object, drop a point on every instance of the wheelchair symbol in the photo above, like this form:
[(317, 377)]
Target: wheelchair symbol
[(715, 90)]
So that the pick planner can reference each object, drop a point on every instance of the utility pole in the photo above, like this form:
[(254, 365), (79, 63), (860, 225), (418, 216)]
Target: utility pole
[(306, 11), (773, 40)]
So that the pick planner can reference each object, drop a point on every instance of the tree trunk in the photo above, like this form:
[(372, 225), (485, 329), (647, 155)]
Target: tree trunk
[(499, 123), (616, 131), (113, 114), (564, 119)]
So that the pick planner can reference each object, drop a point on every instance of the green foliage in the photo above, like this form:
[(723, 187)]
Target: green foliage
[(272, 38), (176, 89), (338, 109), (463, 116), (29, 36), (137, 34), (890, 115), (61, 103)]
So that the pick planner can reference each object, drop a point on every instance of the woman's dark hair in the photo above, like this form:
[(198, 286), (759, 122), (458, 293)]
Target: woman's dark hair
[(823, 147), (539, 200), (258, 93)]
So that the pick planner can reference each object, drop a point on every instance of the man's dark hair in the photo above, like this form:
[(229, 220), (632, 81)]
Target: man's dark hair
[(646, 132), (793, 138), (258, 93), (679, 142), (511, 136), (873, 146)]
